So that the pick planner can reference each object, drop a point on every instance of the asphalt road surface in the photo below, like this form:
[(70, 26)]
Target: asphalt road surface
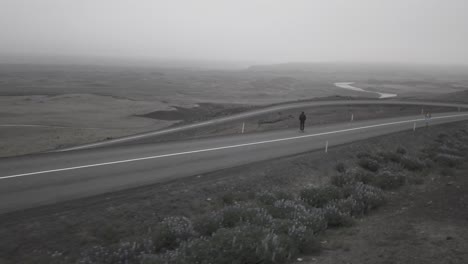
[(146, 137), (40, 179)]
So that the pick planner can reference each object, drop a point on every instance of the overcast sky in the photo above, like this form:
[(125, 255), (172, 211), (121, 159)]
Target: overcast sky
[(262, 31)]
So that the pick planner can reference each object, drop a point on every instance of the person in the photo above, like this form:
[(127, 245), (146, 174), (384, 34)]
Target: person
[(302, 119), (427, 118)]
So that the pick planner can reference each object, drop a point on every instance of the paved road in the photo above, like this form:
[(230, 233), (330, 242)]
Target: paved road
[(33, 180), (297, 105)]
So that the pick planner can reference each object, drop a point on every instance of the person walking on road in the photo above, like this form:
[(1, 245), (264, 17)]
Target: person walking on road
[(302, 119)]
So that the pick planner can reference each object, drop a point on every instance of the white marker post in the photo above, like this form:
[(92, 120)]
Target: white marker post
[(243, 127), (352, 117), (326, 146), (414, 126)]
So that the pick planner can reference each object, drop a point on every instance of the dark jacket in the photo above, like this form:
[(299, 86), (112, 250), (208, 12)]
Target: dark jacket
[(302, 117)]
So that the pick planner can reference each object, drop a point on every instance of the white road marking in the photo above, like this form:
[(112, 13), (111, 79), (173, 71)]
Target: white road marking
[(224, 147), (257, 112)]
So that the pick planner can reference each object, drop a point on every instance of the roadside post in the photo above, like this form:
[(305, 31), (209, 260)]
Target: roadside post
[(243, 127), (352, 117), (414, 127), (326, 146)]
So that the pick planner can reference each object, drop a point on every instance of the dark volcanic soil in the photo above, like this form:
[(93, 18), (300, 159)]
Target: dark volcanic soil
[(426, 223), (203, 111), (421, 224)]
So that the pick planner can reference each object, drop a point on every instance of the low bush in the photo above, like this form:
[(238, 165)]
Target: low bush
[(369, 164), (171, 232), (367, 197), (342, 179), (336, 217), (207, 224), (389, 156), (361, 175), (299, 234), (231, 216), (283, 195), (352, 176), (451, 151), (313, 219), (236, 214), (347, 206), (401, 150), (266, 197), (447, 160), (122, 253), (363, 154), (388, 180), (242, 244), (340, 167), (412, 164), (319, 196)]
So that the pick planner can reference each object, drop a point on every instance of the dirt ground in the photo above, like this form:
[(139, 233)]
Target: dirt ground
[(70, 120), (424, 223), (421, 224), (79, 104), (288, 119)]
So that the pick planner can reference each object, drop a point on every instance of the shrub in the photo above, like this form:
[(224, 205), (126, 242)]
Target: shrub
[(366, 196), (228, 198), (313, 219), (342, 179), (340, 167), (451, 151), (266, 197), (362, 155), (299, 234), (207, 224), (286, 209), (172, 231), (412, 164), (335, 217), (231, 216), (389, 156), (401, 150), (242, 244), (348, 206), (361, 175), (388, 180), (447, 160), (352, 176), (282, 195), (318, 197), (122, 253), (369, 164)]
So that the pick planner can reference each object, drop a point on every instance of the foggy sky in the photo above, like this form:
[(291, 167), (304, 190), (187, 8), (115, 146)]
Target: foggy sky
[(261, 31)]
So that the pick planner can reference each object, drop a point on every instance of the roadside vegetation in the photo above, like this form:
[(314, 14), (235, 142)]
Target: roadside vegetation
[(276, 226), (269, 212)]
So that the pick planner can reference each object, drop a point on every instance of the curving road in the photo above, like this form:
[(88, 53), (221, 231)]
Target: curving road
[(297, 105), (34, 180)]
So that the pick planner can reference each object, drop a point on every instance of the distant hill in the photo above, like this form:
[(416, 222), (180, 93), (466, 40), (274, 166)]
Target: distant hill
[(460, 96)]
